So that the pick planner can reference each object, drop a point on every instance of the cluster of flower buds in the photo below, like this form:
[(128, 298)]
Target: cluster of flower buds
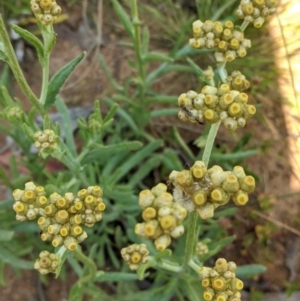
[(89, 204), (45, 140), (46, 10), (230, 42), (47, 263), (29, 202), (220, 282), (162, 217), (255, 11), (61, 216), (205, 190), (216, 104), (135, 255), (201, 248), (237, 81)]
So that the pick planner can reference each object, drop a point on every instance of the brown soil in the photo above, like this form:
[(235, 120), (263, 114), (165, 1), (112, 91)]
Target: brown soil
[(279, 249)]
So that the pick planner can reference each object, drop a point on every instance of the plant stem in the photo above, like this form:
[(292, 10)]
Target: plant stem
[(210, 142), (89, 263), (137, 39), (190, 238), (170, 267), (192, 225), (244, 25), (45, 81), (15, 67)]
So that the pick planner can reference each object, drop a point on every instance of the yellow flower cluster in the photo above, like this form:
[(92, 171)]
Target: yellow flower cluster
[(237, 81), (29, 202), (229, 41), (255, 11), (162, 217), (220, 282), (201, 249), (45, 140), (216, 104), (205, 190), (135, 255), (46, 10), (47, 263), (61, 216)]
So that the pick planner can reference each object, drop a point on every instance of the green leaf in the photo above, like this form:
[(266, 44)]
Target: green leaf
[(108, 73), (152, 56), (3, 56), (67, 124), (164, 112), (145, 169), (8, 257), (6, 235), (235, 156), (58, 80), (250, 270), (162, 254), (143, 267), (134, 160), (123, 18), (32, 39), (115, 276), (145, 40), (162, 99), (103, 152), (195, 67), (76, 293), (111, 113)]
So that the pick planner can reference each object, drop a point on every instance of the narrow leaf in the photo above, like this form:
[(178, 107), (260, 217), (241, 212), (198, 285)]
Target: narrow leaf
[(67, 124), (164, 112), (103, 152), (123, 18), (6, 235), (115, 277), (58, 80), (145, 40), (150, 57), (8, 257), (250, 270), (145, 170), (32, 39), (136, 159), (196, 68)]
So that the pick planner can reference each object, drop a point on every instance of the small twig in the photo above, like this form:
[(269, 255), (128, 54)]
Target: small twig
[(277, 223)]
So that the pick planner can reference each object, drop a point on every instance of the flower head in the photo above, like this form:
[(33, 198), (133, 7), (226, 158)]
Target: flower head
[(61, 217), (46, 263), (220, 282), (255, 11), (228, 41), (163, 217), (135, 255), (205, 190), (216, 104), (45, 10)]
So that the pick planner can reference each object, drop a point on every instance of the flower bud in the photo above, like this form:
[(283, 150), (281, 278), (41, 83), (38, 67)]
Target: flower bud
[(162, 242)]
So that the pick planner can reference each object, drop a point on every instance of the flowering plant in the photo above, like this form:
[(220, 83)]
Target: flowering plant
[(66, 213)]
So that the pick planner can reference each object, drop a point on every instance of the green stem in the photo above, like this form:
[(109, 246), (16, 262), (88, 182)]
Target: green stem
[(194, 266), (15, 67), (170, 267), (137, 39), (89, 263), (190, 238), (244, 25), (210, 142), (45, 81)]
